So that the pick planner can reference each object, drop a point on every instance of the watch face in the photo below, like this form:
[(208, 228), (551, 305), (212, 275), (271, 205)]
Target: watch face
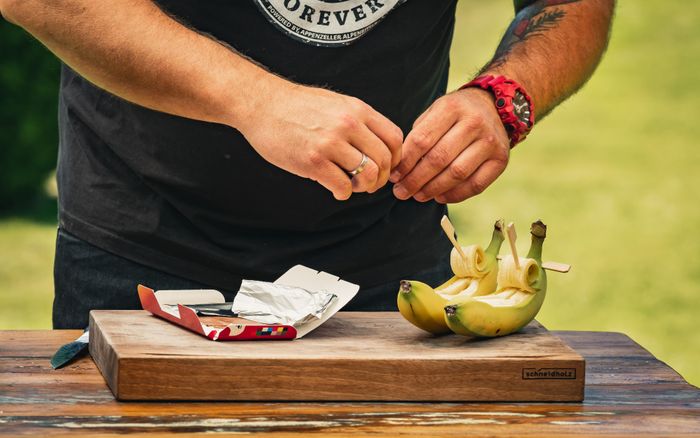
[(521, 108)]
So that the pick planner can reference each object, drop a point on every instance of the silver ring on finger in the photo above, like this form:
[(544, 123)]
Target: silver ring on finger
[(358, 170)]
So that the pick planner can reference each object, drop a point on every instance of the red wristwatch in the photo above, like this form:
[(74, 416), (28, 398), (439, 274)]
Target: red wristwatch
[(513, 104)]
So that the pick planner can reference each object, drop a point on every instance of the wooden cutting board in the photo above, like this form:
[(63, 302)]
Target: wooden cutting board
[(353, 356)]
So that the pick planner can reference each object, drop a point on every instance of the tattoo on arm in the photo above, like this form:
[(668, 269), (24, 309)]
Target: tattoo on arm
[(530, 21)]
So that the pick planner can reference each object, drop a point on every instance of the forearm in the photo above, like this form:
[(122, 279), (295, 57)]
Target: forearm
[(134, 50), (153, 61), (552, 47)]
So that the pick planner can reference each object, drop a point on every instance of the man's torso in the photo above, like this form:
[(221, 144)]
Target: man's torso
[(195, 199)]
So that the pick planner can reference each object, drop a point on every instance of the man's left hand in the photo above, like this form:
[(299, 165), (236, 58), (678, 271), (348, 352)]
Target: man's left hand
[(456, 149)]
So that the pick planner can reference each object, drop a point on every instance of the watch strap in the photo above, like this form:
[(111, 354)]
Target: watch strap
[(504, 91)]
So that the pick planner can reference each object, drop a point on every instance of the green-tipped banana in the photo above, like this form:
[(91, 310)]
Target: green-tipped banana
[(475, 274), (422, 307), (518, 298)]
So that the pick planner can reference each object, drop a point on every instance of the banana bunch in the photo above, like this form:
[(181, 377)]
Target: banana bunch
[(474, 275), (505, 299)]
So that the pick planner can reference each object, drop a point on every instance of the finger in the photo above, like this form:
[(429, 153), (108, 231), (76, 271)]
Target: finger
[(422, 117), (436, 160), (364, 140), (349, 158), (333, 178), (422, 138), (475, 184), (458, 171), (388, 132)]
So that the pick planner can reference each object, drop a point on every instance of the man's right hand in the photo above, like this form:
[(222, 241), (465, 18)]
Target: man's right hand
[(319, 134)]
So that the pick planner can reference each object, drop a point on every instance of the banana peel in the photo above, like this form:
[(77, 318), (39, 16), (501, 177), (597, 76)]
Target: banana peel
[(477, 273), (516, 301), (422, 307)]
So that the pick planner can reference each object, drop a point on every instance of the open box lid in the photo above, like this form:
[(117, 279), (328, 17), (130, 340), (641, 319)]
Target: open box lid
[(171, 305)]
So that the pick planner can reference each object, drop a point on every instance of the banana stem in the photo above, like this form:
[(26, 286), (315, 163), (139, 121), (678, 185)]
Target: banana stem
[(497, 239), (539, 232)]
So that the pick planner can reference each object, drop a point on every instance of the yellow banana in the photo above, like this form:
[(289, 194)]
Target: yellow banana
[(422, 307), (515, 303), (475, 274)]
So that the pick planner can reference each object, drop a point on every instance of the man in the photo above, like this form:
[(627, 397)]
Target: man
[(205, 142)]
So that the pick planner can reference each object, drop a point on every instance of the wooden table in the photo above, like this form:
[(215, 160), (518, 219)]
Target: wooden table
[(628, 392)]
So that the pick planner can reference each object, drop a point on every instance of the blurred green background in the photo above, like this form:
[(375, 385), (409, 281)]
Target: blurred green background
[(613, 172)]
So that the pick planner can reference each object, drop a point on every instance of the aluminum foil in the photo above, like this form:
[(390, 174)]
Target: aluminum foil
[(270, 303)]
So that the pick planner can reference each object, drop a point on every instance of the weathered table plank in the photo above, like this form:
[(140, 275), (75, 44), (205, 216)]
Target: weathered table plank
[(628, 393)]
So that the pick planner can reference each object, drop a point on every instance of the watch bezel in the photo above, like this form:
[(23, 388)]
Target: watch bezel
[(523, 115)]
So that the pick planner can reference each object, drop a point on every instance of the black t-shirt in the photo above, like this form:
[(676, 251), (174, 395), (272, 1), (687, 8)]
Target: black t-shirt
[(194, 199)]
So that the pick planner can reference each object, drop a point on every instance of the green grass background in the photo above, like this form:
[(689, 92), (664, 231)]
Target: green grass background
[(613, 172)]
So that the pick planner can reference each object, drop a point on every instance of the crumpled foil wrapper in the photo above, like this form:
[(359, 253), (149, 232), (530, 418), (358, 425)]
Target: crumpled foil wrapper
[(270, 303)]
